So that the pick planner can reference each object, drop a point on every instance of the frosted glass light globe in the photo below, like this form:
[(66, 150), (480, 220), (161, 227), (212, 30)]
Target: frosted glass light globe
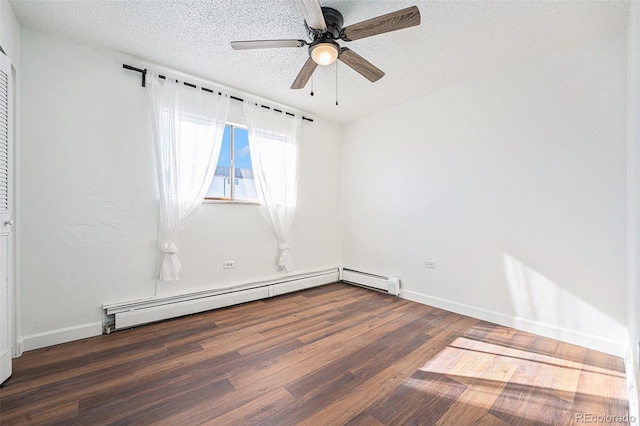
[(324, 53)]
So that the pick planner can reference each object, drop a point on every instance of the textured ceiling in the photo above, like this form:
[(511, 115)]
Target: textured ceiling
[(456, 41)]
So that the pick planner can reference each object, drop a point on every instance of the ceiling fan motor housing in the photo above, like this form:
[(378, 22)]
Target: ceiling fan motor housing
[(334, 21)]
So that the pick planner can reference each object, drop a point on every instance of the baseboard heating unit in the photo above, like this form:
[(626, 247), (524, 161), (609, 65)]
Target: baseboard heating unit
[(389, 285), (130, 314)]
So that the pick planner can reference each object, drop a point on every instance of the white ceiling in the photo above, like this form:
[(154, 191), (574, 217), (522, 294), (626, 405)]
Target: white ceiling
[(456, 41)]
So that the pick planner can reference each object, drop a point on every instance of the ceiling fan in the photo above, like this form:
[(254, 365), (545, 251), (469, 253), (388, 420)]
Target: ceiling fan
[(324, 27)]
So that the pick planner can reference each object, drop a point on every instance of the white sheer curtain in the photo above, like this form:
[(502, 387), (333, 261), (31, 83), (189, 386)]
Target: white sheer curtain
[(188, 125), (274, 140)]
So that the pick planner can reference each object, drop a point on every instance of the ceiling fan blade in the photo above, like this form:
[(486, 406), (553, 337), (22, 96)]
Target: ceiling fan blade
[(266, 44), (361, 65), (304, 75), (393, 21), (312, 13)]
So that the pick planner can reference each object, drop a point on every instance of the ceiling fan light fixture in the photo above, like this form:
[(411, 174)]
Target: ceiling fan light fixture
[(324, 52), (324, 26)]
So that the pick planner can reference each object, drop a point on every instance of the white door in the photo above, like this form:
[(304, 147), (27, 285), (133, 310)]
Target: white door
[(6, 219)]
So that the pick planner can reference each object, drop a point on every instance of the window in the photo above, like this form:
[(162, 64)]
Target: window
[(233, 179)]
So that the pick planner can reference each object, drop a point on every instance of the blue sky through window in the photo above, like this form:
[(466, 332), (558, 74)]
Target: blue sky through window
[(243, 186), (243, 156)]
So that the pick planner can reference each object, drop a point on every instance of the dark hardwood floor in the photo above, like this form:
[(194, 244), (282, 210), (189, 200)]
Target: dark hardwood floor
[(332, 355)]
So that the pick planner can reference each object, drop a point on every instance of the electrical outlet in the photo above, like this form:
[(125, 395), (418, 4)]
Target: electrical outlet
[(429, 265), (229, 264)]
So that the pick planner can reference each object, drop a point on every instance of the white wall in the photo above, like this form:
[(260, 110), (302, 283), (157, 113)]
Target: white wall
[(514, 184), (89, 198), (633, 207)]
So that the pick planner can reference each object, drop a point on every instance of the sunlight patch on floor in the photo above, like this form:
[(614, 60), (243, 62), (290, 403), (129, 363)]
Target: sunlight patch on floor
[(467, 360)]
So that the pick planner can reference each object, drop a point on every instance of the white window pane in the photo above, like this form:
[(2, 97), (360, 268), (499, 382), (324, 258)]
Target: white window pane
[(238, 166), (245, 188)]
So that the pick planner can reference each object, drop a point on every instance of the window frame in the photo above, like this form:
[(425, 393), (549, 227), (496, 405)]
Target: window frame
[(232, 173)]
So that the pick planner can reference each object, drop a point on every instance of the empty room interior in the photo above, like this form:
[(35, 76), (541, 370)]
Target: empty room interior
[(321, 212)]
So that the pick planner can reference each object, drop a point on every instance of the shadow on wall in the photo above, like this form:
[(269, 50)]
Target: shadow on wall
[(537, 299)]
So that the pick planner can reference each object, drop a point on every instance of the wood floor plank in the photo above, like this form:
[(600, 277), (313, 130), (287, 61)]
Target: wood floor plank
[(388, 381), (211, 409), (257, 411), (56, 414), (521, 403), (356, 314), (406, 403), (481, 393), (342, 378), (314, 355), (330, 355)]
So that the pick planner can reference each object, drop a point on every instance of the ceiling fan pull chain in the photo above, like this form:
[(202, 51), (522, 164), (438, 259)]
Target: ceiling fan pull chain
[(312, 85), (336, 83)]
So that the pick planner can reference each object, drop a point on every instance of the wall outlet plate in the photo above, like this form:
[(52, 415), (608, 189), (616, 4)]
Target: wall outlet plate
[(229, 264), (429, 264)]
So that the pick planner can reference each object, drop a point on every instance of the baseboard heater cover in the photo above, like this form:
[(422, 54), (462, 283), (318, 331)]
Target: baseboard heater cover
[(123, 315), (382, 283)]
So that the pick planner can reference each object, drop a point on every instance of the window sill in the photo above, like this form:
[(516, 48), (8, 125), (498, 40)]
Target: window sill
[(222, 201)]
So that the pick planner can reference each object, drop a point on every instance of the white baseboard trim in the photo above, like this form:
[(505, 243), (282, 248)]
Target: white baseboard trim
[(61, 335), (547, 330), (19, 349)]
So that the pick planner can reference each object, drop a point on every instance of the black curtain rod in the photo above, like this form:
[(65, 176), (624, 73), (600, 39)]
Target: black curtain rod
[(235, 98)]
